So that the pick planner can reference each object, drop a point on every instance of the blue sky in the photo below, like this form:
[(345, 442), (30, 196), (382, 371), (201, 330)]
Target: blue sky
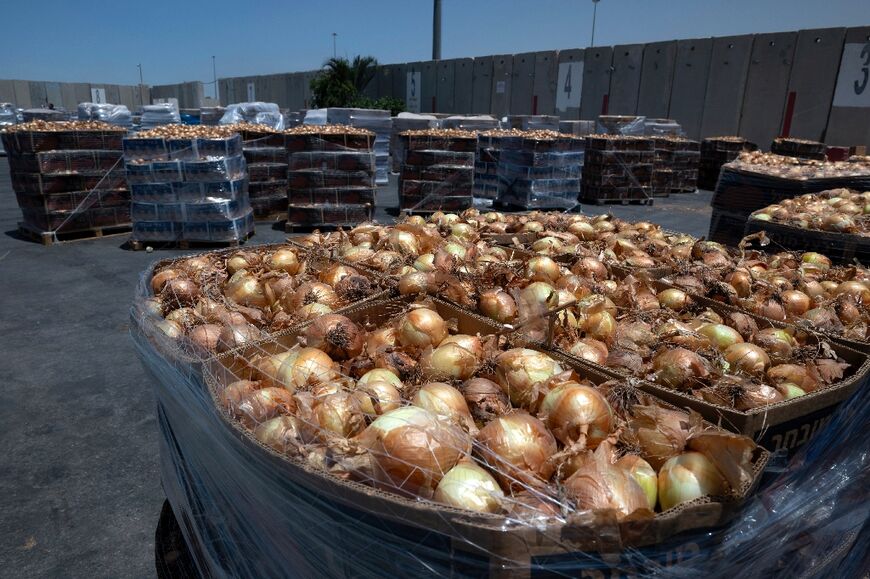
[(174, 41)]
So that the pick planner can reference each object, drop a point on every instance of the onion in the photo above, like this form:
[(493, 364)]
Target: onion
[(237, 335), (284, 259), (152, 307), (816, 259), (403, 242), (312, 311), (449, 361), (747, 358), (186, 317), (590, 349), (339, 414), (445, 401), (548, 246), (539, 295), (858, 290), (741, 281), (335, 273), (687, 477), (308, 367), (263, 404), (789, 390), (522, 372), (600, 326), (795, 374), (425, 262), (771, 308), (421, 327), (517, 447), (720, 335), (265, 368), (485, 399), (378, 397), (674, 299), (777, 343), (310, 293), (598, 484), (354, 287), (179, 292), (380, 339), (643, 474), (796, 302), (242, 260), (498, 305), (743, 323), (589, 267), (577, 414), (467, 486), (160, 278), (282, 433), (583, 230), (660, 433), (245, 289), (412, 449), (231, 396), (543, 268), (336, 335), (357, 253), (680, 368), (418, 282), (381, 375), (206, 336)]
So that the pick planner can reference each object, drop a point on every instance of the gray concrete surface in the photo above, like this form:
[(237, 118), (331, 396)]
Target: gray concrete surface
[(80, 492)]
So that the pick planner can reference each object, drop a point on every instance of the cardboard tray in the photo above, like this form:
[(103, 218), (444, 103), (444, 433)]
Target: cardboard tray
[(844, 248), (494, 536), (784, 425)]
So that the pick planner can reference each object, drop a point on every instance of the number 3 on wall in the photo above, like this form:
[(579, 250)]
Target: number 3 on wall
[(865, 70)]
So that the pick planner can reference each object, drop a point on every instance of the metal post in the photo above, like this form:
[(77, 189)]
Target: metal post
[(141, 98), (334, 34), (594, 14), (214, 75), (436, 31)]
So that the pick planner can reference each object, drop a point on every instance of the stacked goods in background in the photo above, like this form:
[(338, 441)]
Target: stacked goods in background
[(68, 176), (113, 114), (577, 128), (621, 125), (438, 171), (407, 122), (331, 175), (539, 169), (662, 127), (43, 115), (377, 121), (618, 168), (257, 113), (486, 162), (474, 123), (834, 222), (293, 119), (8, 114), (266, 157), (715, 152), (755, 180), (159, 114), (800, 148), (188, 184), (211, 115), (676, 165), (533, 122)]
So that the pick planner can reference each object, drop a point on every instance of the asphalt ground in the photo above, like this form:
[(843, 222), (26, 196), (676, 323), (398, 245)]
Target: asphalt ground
[(80, 492)]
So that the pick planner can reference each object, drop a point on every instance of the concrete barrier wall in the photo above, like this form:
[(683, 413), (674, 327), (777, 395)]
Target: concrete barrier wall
[(625, 79), (849, 121), (764, 99), (569, 83), (596, 81), (726, 82), (522, 83), (481, 85), (814, 73), (444, 86), (463, 85), (656, 79), (544, 85), (502, 69)]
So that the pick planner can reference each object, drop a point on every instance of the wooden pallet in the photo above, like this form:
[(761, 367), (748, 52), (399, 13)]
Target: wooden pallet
[(28, 231), (137, 245)]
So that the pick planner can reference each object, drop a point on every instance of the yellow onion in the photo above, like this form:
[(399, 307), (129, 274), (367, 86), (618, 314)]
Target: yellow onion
[(242, 260), (598, 484), (789, 390), (412, 449), (418, 282), (284, 259), (231, 396), (590, 349), (357, 254), (310, 293), (245, 289), (445, 401), (747, 358), (380, 339), (498, 305), (313, 310), (308, 367), (590, 267), (600, 326), (720, 335), (179, 292), (381, 375), (522, 372), (517, 447), (577, 414), (186, 317), (643, 474), (403, 242), (336, 335), (858, 290), (237, 335), (548, 246), (385, 260), (449, 361), (583, 230), (687, 477), (467, 486), (485, 399), (798, 375), (771, 308), (421, 327), (206, 336), (796, 302), (543, 268), (377, 397), (741, 281), (152, 307), (334, 274), (539, 295), (777, 343), (261, 405), (282, 433), (425, 262), (674, 299), (339, 414), (680, 368), (265, 368)]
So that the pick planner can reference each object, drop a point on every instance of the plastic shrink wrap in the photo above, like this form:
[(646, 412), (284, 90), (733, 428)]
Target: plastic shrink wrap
[(108, 113), (256, 112)]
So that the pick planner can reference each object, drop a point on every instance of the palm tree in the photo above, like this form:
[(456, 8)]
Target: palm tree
[(341, 81)]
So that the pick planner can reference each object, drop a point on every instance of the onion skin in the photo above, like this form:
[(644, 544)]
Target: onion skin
[(339, 414), (674, 299), (686, 477), (284, 259), (206, 336), (378, 397), (237, 335), (381, 374), (486, 400), (354, 287), (597, 484), (444, 401), (517, 447), (795, 374), (643, 474), (231, 396), (577, 414), (420, 328), (680, 369), (162, 277), (380, 339), (282, 433), (747, 358), (336, 335), (777, 343), (498, 305), (412, 449), (263, 404), (308, 367), (335, 274), (522, 374), (449, 361), (179, 292), (591, 350), (467, 486), (720, 335)]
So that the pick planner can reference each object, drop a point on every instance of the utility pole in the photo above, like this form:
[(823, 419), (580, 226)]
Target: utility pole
[(141, 98), (436, 31), (594, 14), (334, 35), (214, 75)]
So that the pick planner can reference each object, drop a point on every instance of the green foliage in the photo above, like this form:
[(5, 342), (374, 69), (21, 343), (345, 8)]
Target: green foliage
[(340, 84)]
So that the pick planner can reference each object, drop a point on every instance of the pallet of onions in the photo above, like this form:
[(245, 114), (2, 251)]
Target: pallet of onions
[(759, 377), (421, 411), (214, 302)]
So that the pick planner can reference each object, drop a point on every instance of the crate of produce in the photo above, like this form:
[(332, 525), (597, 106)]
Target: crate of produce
[(801, 148), (715, 152)]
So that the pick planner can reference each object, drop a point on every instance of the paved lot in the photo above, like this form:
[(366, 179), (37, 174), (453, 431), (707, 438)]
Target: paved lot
[(79, 487)]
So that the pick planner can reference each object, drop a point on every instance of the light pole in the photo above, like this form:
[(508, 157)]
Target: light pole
[(594, 14), (334, 35), (214, 76), (436, 30), (141, 99)]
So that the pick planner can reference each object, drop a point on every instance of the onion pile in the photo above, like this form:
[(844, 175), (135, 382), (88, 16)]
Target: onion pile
[(835, 210), (412, 408)]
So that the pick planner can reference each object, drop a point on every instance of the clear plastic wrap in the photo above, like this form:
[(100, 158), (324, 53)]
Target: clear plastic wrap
[(539, 174), (160, 114), (249, 509), (113, 114), (254, 112), (621, 125), (8, 114)]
